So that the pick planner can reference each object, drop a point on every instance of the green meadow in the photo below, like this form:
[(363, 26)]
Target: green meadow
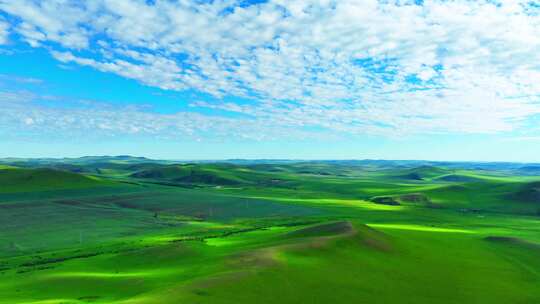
[(116, 231)]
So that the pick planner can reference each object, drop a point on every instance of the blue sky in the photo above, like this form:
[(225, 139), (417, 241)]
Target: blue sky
[(350, 79)]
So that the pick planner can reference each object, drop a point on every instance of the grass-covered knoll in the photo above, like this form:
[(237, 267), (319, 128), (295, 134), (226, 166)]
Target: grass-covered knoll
[(527, 193), (419, 173), (194, 174), (140, 231), (460, 178), (211, 174), (25, 180)]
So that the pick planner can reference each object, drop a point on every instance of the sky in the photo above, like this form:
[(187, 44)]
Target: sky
[(201, 79)]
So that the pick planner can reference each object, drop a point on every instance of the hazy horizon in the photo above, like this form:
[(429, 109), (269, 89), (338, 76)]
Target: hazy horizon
[(265, 159)]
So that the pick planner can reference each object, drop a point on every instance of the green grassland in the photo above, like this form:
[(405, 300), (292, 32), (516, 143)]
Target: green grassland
[(128, 230)]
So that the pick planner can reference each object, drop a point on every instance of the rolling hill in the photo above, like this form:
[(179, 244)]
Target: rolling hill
[(421, 173), (209, 174), (28, 180), (527, 193)]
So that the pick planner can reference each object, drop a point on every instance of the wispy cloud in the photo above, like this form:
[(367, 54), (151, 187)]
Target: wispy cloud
[(349, 66), (18, 79), (29, 114), (4, 31)]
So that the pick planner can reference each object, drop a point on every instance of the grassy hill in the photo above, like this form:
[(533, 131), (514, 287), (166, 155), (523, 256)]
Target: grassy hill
[(459, 178), (29, 180), (421, 173), (198, 174), (527, 193), (210, 174)]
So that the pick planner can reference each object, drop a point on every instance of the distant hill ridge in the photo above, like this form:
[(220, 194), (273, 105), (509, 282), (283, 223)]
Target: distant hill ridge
[(418, 168)]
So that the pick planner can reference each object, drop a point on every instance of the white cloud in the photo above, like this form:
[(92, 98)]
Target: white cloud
[(26, 113), (4, 32), (352, 66)]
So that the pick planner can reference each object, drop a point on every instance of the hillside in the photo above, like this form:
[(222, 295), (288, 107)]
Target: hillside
[(208, 174), (420, 173), (458, 178), (26, 180), (527, 193)]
